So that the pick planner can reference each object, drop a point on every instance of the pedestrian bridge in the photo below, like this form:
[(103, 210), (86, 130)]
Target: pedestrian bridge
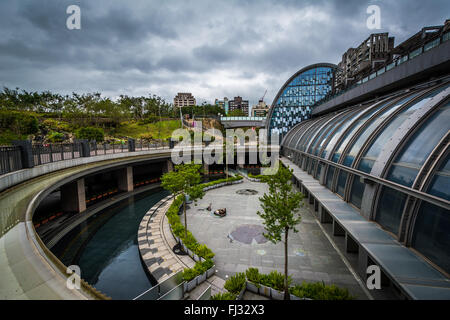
[(243, 122)]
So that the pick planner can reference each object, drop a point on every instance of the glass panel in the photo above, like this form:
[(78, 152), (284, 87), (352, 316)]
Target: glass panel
[(309, 133), (431, 235), (319, 169), (327, 144), (440, 185), (330, 174), (421, 144), (341, 183), (330, 144), (431, 44), (355, 126), (354, 150), (415, 53), (390, 209), (325, 132), (357, 192), (380, 141)]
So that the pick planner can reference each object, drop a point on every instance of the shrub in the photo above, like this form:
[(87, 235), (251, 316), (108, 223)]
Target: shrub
[(204, 252), (223, 296), (320, 291), (19, 122), (277, 280), (208, 264), (90, 133), (235, 283), (189, 274), (253, 275), (178, 229), (56, 136)]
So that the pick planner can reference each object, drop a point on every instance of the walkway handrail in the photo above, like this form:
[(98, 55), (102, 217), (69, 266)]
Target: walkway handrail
[(162, 288)]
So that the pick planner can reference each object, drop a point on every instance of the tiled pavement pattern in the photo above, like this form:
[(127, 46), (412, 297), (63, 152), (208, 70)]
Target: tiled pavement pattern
[(155, 245), (311, 256), (155, 252)]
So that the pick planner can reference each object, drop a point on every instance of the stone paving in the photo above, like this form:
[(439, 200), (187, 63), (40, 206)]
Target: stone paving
[(155, 245), (157, 255), (311, 256)]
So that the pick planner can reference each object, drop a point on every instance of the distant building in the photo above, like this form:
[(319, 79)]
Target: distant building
[(260, 110), (223, 104), (359, 62), (184, 99), (238, 103)]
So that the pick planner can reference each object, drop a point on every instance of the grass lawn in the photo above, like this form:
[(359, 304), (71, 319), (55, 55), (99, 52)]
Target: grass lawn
[(151, 130)]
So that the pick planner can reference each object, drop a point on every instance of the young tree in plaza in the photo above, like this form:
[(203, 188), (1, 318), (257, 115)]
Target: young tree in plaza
[(184, 180), (281, 214)]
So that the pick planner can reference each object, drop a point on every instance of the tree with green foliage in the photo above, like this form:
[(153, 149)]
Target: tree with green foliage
[(90, 133), (280, 212), (237, 113), (185, 180)]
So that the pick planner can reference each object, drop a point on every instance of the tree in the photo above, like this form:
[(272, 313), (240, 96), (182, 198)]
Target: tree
[(237, 113), (184, 180), (280, 214)]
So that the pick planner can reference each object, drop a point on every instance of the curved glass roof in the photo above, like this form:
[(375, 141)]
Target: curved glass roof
[(360, 136), (293, 101)]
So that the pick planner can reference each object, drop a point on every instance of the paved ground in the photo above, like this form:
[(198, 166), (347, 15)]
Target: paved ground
[(238, 246)]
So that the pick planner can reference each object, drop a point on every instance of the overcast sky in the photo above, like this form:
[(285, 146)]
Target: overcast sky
[(211, 48)]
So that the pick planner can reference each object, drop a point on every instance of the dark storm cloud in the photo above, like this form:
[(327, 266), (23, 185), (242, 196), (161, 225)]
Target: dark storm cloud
[(211, 48)]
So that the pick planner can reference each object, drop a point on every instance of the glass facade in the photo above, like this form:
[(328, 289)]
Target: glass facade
[(294, 100), (356, 137)]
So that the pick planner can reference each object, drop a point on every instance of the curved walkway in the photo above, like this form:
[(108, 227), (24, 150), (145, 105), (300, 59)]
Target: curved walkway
[(155, 245)]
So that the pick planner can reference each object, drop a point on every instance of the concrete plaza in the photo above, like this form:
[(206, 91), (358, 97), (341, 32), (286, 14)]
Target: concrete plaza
[(237, 245)]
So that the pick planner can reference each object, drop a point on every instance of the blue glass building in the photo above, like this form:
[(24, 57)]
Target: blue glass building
[(293, 101)]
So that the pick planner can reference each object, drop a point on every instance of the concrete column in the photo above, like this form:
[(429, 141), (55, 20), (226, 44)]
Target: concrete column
[(125, 179), (73, 197), (350, 245), (168, 167), (337, 229)]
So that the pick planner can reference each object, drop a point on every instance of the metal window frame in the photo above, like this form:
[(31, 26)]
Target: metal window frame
[(381, 181), (370, 212), (371, 198)]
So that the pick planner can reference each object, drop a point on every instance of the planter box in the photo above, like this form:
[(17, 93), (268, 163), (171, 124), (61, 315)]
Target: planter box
[(265, 291), (201, 278), (191, 284), (241, 294), (211, 271), (295, 297), (196, 257), (276, 295), (252, 287), (185, 249)]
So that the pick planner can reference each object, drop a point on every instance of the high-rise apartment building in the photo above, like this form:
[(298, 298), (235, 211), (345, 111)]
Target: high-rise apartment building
[(238, 103), (184, 99)]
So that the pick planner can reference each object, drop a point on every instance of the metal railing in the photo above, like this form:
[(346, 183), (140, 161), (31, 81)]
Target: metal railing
[(46, 153), (10, 159), (242, 118), (169, 288)]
